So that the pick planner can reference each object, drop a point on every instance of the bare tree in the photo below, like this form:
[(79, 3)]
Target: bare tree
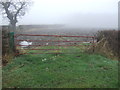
[(13, 10)]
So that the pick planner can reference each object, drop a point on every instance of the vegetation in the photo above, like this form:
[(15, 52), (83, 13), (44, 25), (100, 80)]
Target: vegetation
[(108, 43), (112, 36), (80, 70)]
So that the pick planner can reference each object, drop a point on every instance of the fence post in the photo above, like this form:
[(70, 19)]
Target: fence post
[(11, 42), (93, 45)]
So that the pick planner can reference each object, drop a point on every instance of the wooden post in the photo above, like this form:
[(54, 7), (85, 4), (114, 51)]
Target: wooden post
[(5, 41)]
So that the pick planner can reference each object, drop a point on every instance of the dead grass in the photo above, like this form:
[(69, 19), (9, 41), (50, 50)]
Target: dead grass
[(6, 58), (107, 44)]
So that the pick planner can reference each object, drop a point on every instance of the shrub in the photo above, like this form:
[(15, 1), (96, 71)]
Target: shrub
[(113, 39)]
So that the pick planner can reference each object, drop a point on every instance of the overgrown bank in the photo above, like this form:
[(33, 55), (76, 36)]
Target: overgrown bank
[(108, 43)]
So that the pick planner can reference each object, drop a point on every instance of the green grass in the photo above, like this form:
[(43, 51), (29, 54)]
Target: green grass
[(61, 71)]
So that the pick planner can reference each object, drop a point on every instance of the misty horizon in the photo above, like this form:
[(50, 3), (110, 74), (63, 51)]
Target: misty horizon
[(71, 14)]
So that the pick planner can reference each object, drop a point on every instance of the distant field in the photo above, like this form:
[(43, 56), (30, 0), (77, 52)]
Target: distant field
[(80, 70), (68, 31)]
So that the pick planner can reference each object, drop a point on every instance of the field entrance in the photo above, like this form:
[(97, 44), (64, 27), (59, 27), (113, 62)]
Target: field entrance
[(57, 64), (52, 44)]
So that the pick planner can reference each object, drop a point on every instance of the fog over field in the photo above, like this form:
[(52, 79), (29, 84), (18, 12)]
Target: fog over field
[(87, 14)]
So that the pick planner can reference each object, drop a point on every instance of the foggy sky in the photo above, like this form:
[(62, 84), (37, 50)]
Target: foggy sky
[(74, 13)]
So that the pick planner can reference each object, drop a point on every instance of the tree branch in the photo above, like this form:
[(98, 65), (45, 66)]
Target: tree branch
[(5, 6), (18, 11), (13, 10)]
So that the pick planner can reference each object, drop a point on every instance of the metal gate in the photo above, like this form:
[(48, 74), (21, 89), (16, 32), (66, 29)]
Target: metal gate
[(50, 44)]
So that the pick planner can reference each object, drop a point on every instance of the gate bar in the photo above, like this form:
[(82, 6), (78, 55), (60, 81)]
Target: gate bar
[(48, 41), (52, 35), (42, 49), (54, 45)]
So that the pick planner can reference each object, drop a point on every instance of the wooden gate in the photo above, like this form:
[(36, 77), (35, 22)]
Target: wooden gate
[(50, 44)]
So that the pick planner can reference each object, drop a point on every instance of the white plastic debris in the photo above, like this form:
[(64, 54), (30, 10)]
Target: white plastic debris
[(25, 44)]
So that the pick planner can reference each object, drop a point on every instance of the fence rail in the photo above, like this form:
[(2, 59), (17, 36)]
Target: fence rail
[(53, 35), (54, 45), (47, 40)]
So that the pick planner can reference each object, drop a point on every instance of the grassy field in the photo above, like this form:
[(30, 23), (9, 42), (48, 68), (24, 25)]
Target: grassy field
[(61, 71)]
